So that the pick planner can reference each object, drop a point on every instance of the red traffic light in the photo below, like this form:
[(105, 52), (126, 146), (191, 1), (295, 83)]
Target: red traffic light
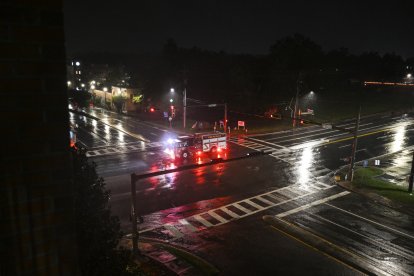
[(152, 109)]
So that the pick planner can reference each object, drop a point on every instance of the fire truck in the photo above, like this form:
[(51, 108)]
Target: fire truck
[(187, 146)]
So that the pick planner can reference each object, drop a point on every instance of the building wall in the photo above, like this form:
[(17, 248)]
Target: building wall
[(36, 189)]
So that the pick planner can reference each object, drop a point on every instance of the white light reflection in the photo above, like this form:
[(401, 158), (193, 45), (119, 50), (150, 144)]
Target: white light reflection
[(398, 139), (121, 136), (305, 163)]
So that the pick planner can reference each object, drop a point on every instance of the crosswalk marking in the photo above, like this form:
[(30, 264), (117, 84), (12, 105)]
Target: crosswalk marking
[(264, 200), (202, 221), (188, 225), (217, 217), (238, 206), (227, 211), (254, 204), (122, 149), (173, 230)]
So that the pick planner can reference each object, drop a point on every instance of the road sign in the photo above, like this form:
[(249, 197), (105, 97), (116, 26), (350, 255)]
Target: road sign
[(241, 124), (165, 114)]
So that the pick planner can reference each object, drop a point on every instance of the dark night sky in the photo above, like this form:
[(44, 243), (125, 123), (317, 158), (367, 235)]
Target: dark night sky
[(238, 26)]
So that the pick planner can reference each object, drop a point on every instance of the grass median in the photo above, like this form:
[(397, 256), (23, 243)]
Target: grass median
[(368, 178)]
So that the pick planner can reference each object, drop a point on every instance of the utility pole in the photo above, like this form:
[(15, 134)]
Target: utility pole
[(410, 181), (354, 146), (185, 99), (135, 233), (184, 106), (225, 117), (296, 102)]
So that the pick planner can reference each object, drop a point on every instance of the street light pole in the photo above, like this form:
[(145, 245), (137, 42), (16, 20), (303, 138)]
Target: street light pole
[(354, 146)]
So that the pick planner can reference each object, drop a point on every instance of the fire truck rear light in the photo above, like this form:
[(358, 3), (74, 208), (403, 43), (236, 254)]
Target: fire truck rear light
[(219, 150), (198, 152)]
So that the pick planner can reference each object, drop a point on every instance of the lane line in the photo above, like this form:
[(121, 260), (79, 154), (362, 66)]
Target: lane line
[(373, 222), (307, 206)]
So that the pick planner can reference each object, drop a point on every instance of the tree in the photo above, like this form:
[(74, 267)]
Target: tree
[(98, 232), (119, 102)]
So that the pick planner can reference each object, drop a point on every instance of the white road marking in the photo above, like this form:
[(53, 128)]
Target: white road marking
[(371, 221), (188, 225), (227, 211), (264, 200), (254, 204), (217, 217), (238, 206), (173, 230), (307, 206), (202, 221), (344, 146)]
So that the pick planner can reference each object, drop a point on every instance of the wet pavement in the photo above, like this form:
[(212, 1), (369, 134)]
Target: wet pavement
[(217, 211)]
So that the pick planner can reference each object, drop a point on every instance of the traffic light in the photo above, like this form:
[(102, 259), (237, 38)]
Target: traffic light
[(152, 109)]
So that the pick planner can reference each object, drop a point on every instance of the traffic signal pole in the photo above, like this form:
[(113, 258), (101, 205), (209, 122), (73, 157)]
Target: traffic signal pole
[(354, 146), (411, 179), (184, 107), (135, 233)]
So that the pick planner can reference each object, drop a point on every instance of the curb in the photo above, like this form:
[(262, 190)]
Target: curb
[(165, 255), (379, 199), (341, 255)]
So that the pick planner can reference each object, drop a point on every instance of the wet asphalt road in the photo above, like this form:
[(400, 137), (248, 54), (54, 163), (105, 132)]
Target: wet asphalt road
[(217, 211)]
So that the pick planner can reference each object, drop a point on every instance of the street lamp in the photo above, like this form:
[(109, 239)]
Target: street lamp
[(105, 89), (171, 100), (172, 90), (409, 75), (69, 83)]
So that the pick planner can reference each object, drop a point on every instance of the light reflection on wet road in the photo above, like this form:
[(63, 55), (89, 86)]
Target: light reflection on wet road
[(300, 157)]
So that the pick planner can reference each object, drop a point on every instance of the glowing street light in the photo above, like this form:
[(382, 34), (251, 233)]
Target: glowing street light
[(105, 89), (77, 63), (69, 83), (171, 100), (172, 90), (92, 86), (82, 84), (409, 75)]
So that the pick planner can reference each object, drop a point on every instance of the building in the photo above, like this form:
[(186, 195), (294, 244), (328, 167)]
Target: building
[(106, 95), (37, 234)]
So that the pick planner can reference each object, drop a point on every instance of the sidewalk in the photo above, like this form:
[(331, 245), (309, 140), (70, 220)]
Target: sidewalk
[(383, 179), (160, 258)]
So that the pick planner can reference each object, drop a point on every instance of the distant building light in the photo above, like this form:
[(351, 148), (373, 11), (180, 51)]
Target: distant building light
[(82, 85), (92, 86)]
